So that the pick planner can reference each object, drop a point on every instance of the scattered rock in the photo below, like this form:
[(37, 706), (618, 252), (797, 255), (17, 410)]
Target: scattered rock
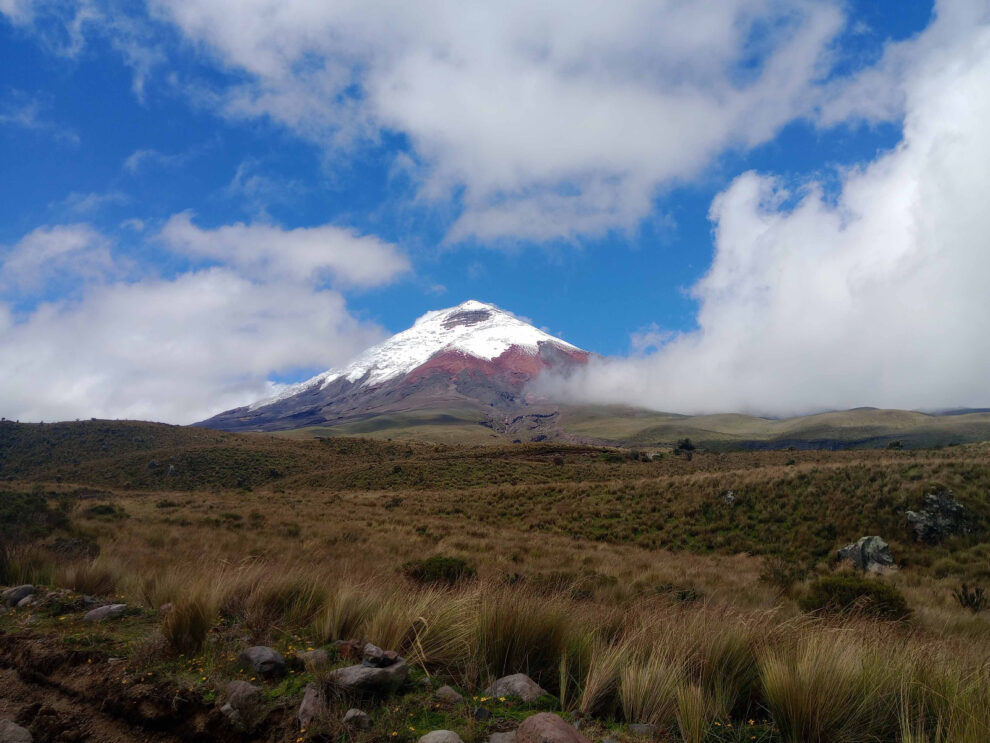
[(105, 612), (12, 595), (10, 732), (481, 714), (642, 729), (312, 705), (357, 719), (374, 657), (313, 658), (366, 678), (547, 727), (264, 660), (728, 496), (26, 601), (941, 517), (243, 704), (441, 736), (449, 695), (868, 553), (509, 737), (517, 685), (349, 649)]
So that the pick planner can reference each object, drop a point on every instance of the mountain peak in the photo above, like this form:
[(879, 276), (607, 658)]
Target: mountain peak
[(475, 351)]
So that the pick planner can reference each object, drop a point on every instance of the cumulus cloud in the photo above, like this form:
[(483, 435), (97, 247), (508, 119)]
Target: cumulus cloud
[(170, 350), (548, 120), (878, 297), (302, 254), (179, 349), (54, 253)]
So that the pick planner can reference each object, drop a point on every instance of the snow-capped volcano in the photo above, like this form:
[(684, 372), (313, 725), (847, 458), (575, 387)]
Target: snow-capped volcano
[(474, 353)]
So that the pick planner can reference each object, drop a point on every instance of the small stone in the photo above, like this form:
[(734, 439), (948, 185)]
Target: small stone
[(547, 727), (365, 678), (243, 703), (449, 695), (105, 612), (349, 649), (264, 660), (12, 595), (517, 685), (641, 728), (357, 719), (481, 714), (509, 737), (441, 736), (375, 657), (26, 601), (10, 732), (312, 705)]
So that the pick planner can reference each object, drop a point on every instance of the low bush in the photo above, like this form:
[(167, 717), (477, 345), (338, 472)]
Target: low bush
[(438, 569), (849, 594), (974, 599)]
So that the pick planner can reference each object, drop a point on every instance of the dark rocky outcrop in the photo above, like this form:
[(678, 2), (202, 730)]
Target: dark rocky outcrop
[(941, 517), (12, 596), (868, 553)]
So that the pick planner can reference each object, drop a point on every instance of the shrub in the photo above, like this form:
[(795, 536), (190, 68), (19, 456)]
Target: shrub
[(850, 594), (189, 620), (974, 598), (438, 569), (781, 573)]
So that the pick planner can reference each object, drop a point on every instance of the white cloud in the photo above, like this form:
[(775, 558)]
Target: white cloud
[(54, 253), (176, 351), (140, 159), (28, 112), (551, 120), (302, 254), (877, 299)]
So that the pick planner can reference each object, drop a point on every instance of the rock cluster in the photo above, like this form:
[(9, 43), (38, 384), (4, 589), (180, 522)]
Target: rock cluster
[(378, 672)]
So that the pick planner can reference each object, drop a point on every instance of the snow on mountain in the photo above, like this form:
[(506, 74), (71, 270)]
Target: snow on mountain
[(473, 329)]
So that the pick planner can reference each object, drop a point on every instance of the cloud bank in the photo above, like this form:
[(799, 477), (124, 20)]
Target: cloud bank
[(876, 297), (180, 348)]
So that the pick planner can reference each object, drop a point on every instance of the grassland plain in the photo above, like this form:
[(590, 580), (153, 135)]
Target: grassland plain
[(634, 586)]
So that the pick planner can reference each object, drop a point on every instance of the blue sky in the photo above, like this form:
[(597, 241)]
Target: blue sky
[(563, 167)]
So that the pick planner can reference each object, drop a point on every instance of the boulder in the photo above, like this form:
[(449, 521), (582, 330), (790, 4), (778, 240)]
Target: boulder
[(868, 553), (366, 678), (12, 595), (27, 601), (105, 612), (941, 517), (441, 736), (10, 732), (243, 703), (264, 660), (357, 719), (449, 695), (517, 685), (547, 727), (312, 706)]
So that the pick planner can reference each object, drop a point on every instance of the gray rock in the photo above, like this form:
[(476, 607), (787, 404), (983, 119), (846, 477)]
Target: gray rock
[(312, 706), (374, 656), (243, 703), (547, 727), (105, 612), (642, 729), (27, 601), (481, 714), (357, 719), (449, 695), (12, 595), (264, 660), (517, 685), (941, 517), (313, 658), (366, 678), (509, 737), (868, 553), (441, 736), (10, 732)]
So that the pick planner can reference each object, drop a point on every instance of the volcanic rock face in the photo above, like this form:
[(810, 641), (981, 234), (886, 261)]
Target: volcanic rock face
[(472, 355)]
